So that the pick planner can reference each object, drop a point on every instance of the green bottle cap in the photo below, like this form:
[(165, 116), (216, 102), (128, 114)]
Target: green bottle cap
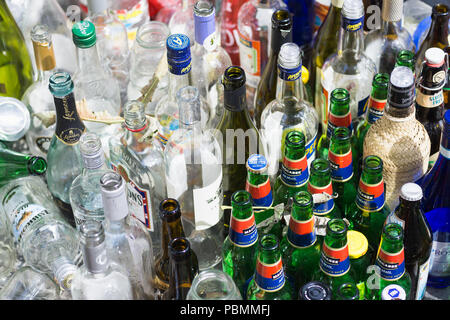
[(83, 34)]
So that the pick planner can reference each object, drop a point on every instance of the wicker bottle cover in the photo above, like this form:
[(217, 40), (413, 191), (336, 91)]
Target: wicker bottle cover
[(398, 138)]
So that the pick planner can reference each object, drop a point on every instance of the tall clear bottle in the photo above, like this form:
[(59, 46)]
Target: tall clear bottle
[(193, 172)]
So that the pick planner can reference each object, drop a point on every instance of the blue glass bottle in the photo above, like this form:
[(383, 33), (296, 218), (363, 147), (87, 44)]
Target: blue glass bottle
[(303, 20)]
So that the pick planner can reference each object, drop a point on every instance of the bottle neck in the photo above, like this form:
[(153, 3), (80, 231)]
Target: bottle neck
[(320, 179), (372, 177), (302, 213), (67, 118), (88, 59), (351, 43), (289, 90), (176, 82), (180, 279), (95, 258), (336, 240), (407, 208), (235, 100), (439, 28), (401, 114), (170, 230), (390, 28)]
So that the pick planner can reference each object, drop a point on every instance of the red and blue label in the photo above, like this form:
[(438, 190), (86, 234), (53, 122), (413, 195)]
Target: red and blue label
[(243, 232), (322, 208), (301, 234), (341, 165), (370, 197), (294, 173), (376, 109), (335, 121), (392, 265), (261, 194), (269, 277), (334, 262)]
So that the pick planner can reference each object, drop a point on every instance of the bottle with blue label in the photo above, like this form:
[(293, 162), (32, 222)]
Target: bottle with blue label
[(389, 268), (269, 281), (300, 248)]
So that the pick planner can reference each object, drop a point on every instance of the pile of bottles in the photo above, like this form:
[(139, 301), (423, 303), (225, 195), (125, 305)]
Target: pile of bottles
[(234, 149)]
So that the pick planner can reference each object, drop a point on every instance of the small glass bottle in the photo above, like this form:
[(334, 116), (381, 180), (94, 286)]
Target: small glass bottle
[(213, 284), (347, 291), (405, 58)]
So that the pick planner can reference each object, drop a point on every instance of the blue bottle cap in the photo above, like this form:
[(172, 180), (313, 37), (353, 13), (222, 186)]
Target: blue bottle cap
[(178, 54), (256, 163)]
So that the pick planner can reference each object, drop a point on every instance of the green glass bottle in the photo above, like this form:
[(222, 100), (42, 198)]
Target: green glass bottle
[(389, 267), (348, 291), (360, 259), (341, 164), (334, 266), (269, 281), (16, 70), (405, 58), (369, 211), (294, 168), (15, 165), (300, 248), (237, 135), (240, 246)]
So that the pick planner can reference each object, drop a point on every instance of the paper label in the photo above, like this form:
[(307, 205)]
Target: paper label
[(269, 277), (207, 204), (440, 254), (261, 194), (392, 265), (243, 232), (376, 109), (429, 101), (370, 197), (334, 262), (301, 234), (294, 173), (250, 57), (335, 121), (422, 279), (326, 207), (341, 166)]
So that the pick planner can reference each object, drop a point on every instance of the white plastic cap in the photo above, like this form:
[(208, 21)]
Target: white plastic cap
[(290, 55), (411, 192), (353, 9), (393, 292), (434, 56)]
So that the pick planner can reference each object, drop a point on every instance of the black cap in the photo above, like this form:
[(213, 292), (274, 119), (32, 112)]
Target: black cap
[(315, 290)]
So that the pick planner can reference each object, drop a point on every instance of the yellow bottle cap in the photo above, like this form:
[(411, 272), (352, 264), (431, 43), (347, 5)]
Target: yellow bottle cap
[(305, 75), (357, 244)]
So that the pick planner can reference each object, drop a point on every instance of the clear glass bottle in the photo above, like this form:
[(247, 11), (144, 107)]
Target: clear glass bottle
[(98, 278), (128, 243), (9, 260), (289, 111), (213, 284), (193, 159), (182, 20), (349, 68), (383, 45), (37, 97), (15, 124)]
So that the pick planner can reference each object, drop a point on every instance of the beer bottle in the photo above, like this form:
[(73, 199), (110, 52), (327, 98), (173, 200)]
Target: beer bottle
[(368, 212), (314, 290), (405, 58), (360, 258), (300, 248), (334, 266), (240, 246), (269, 281), (294, 168), (418, 240), (341, 164), (348, 291), (446, 88), (389, 265)]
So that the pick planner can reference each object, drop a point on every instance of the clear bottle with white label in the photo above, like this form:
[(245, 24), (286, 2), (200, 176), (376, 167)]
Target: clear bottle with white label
[(194, 177)]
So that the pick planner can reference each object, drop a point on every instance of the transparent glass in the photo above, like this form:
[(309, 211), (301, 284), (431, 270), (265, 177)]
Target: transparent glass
[(213, 285), (16, 120), (8, 254), (182, 20)]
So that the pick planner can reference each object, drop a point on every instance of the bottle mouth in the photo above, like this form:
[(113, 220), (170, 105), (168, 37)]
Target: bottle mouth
[(336, 227), (393, 232), (295, 139), (179, 248), (381, 80), (90, 144), (320, 166), (241, 198), (281, 19), (439, 10), (349, 291), (203, 8), (60, 83), (169, 209), (92, 233), (340, 96), (268, 242), (134, 115), (341, 134), (152, 35), (40, 34), (233, 78), (303, 199), (290, 56), (373, 164), (111, 181), (39, 165)]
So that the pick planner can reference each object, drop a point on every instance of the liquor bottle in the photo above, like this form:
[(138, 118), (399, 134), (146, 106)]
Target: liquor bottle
[(446, 88), (63, 157), (133, 14), (383, 45), (128, 243), (294, 168), (314, 290), (37, 97), (85, 194), (237, 135), (389, 264), (430, 97), (213, 284), (349, 68), (193, 171), (239, 251), (281, 33), (144, 187), (98, 278), (360, 259), (437, 35), (417, 237), (228, 32), (334, 266), (183, 269), (299, 247), (398, 138), (341, 164), (44, 240), (15, 165), (16, 71), (324, 44), (405, 58), (288, 111), (369, 211)]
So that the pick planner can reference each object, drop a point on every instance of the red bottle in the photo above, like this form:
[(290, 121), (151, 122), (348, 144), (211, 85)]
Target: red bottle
[(228, 32)]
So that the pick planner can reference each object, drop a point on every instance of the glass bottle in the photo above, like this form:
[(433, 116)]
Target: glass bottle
[(405, 58), (383, 45), (182, 20), (128, 243), (446, 88), (16, 70), (63, 157), (228, 32), (437, 35), (300, 248), (269, 281), (239, 249), (194, 177), (349, 68), (98, 278), (288, 111), (347, 291), (44, 240), (360, 259), (213, 284), (389, 264), (314, 290), (37, 97), (85, 194), (281, 33)]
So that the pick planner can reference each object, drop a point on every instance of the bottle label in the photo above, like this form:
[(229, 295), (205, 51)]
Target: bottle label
[(341, 166), (310, 147), (69, 126), (392, 265), (269, 277), (352, 25), (131, 18), (335, 121), (250, 57), (261, 194), (180, 68), (301, 234), (334, 262), (207, 202), (326, 207), (290, 74), (370, 197), (294, 173), (429, 101), (243, 232), (376, 109), (440, 253), (422, 279), (362, 106)]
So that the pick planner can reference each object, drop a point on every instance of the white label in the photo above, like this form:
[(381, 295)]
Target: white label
[(422, 279), (429, 101), (440, 257), (139, 204), (207, 204)]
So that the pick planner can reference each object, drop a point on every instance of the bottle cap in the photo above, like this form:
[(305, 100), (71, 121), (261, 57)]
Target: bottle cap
[(401, 88), (411, 192), (393, 292), (256, 163), (315, 290), (435, 57), (114, 196), (83, 34), (357, 244), (178, 47), (15, 119), (392, 10)]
